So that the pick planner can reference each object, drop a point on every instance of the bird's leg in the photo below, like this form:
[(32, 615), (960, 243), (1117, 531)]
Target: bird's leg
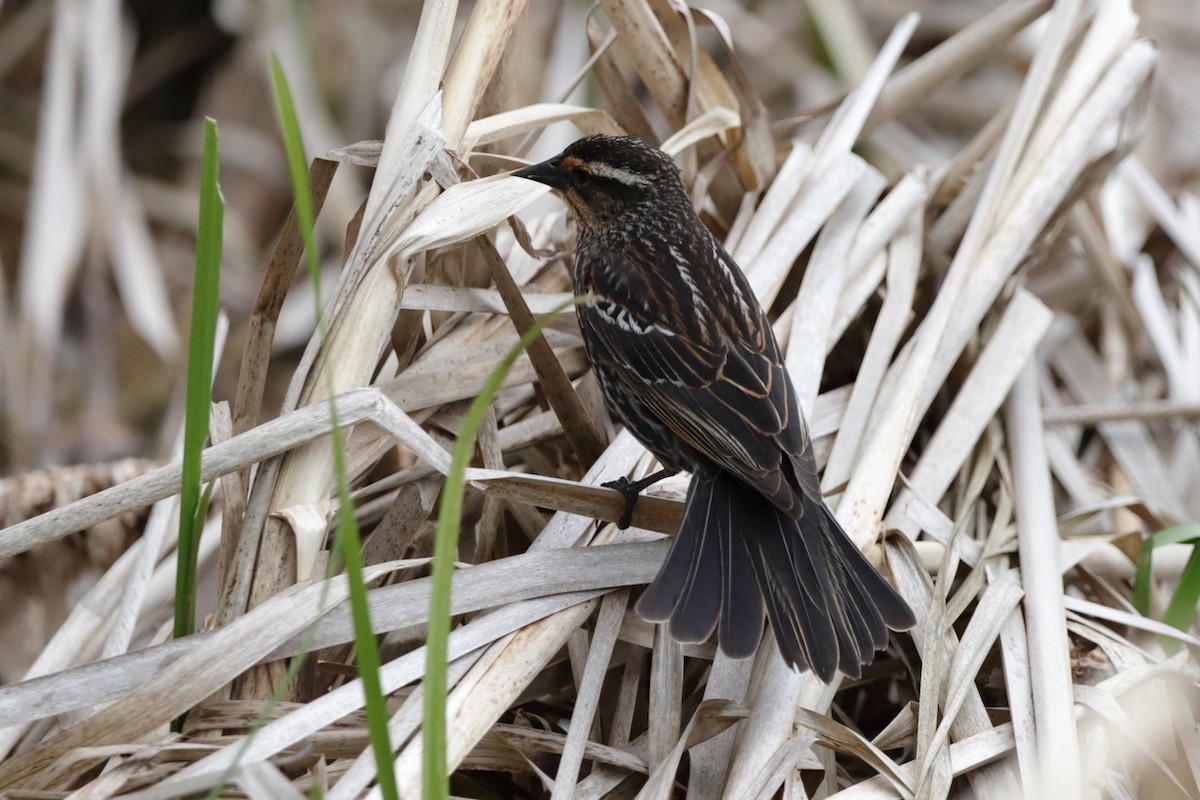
[(631, 489)]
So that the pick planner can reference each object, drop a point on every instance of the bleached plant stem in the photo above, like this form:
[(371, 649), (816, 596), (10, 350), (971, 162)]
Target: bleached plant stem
[(1037, 538)]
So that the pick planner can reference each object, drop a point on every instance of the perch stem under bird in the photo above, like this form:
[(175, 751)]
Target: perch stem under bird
[(686, 358)]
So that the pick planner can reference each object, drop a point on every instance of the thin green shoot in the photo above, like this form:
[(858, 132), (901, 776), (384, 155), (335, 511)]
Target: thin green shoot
[(1181, 610), (348, 542), (435, 779), (205, 304)]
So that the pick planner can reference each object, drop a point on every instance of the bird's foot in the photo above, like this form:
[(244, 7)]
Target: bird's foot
[(631, 489)]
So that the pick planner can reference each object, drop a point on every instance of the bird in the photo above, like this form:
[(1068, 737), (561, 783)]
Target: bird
[(686, 358)]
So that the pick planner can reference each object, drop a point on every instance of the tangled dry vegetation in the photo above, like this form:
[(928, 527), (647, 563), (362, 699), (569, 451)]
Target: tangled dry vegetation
[(976, 236)]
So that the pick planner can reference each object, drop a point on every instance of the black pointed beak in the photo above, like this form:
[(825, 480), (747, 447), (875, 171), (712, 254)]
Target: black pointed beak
[(546, 172)]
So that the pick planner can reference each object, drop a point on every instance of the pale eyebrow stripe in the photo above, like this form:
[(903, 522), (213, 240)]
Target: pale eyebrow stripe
[(627, 177)]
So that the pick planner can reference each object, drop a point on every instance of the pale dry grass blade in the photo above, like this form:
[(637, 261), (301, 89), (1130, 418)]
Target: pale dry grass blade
[(1014, 643), (1129, 441), (348, 698), (54, 237), (931, 755), (1030, 206), (627, 109), (423, 144), (263, 781), (529, 119), (666, 691), (426, 297), (766, 740), (710, 123), (577, 424), (711, 717), (160, 533), (770, 266), (1167, 214), (514, 580), (504, 670), (846, 124), (1101, 256), (710, 761), (1126, 618), (1021, 124), (107, 51), (475, 60), (972, 719), (179, 685), (997, 602), (850, 47), (1042, 579), (359, 320), (523, 655), (463, 212), (430, 47), (956, 316), (277, 436), (1010, 348), (816, 301), (642, 38), (139, 275), (948, 226), (865, 267), (1116, 90), (403, 724), (967, 756), (1158, 319), (773, 206), (782, 766), (73, 635), (600, 651), (893, 319), (954, 57), (252, 376)]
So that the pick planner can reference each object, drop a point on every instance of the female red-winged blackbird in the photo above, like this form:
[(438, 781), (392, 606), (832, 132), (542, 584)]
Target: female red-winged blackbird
[(687, 359)]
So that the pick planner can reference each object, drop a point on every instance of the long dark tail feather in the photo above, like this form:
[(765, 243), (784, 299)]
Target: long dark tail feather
[(736, 555), (687, 591), (741, 601), (792, 570), (892, 608)]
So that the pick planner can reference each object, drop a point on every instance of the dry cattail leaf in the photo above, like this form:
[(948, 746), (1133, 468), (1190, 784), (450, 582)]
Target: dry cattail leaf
[(951, 227)]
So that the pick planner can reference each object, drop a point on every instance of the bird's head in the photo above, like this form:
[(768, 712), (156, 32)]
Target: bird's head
[(603, 178)]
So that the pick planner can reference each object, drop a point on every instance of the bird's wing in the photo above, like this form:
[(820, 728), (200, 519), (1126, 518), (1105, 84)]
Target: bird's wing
[(720, 386)]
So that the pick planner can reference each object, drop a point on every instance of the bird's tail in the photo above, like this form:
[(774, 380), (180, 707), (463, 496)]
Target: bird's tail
[(830, 609)]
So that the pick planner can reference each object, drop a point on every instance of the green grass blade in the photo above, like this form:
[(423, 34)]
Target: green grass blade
[(205, 303), (1181, 610), (297, 164), (348, 541), (435, 779), (1176, 534)]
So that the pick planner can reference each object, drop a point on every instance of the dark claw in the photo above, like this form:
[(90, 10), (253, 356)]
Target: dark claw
[(630, 491), (630, 494)]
